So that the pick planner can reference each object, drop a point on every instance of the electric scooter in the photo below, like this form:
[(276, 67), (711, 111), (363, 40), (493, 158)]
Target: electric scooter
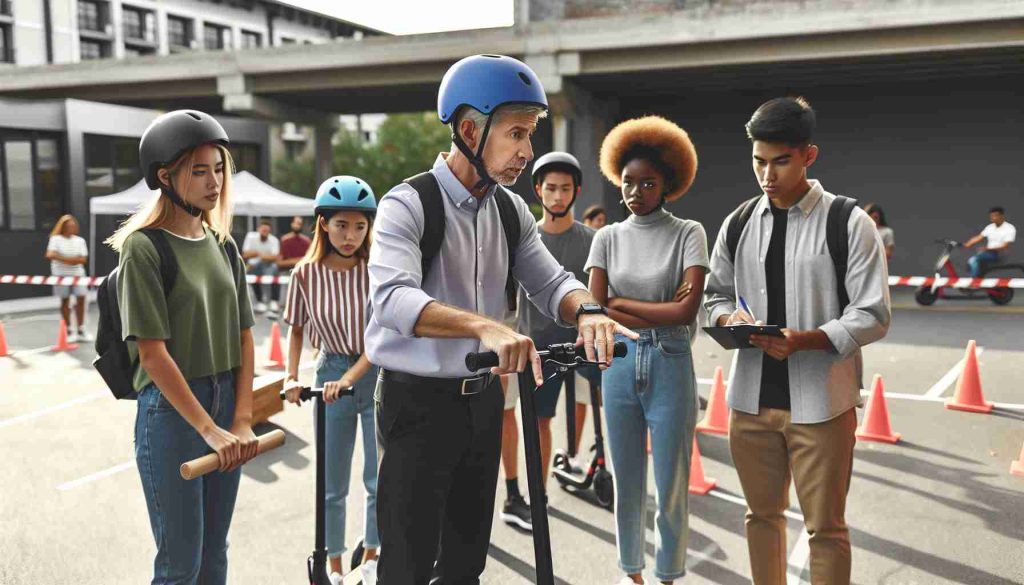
[(596, 474), (1000, 295), (566, 357)]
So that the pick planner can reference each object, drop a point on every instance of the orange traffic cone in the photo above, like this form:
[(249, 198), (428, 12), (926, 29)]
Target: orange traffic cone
[(716, 417), (968, 387), (876, 418), (1017, 467), (276, 355), (699, 484), (62, 339), (3, 342)]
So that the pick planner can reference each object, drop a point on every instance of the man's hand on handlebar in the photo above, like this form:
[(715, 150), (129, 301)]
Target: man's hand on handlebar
[(597, 334), (514, 351), (334, 390)]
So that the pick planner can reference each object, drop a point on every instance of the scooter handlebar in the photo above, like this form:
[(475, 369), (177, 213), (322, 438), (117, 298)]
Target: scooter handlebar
[(308, 393), (488, 359)]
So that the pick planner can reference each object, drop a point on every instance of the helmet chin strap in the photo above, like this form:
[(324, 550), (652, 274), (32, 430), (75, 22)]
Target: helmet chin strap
[(477, 159), (174, 197)]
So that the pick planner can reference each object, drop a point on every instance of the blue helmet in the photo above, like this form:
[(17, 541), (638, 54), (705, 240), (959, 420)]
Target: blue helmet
[(484, 82), (344, 193)]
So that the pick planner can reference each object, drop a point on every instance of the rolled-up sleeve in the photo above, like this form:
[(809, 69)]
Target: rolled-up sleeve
[(720, 292), (545, 280), (396, 278), (866, 319)]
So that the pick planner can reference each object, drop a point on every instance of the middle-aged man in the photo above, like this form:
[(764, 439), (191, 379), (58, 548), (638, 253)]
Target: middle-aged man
[(793, 397), (998, 235), (439, 425)]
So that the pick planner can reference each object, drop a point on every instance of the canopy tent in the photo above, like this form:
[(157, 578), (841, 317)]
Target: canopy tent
[(252, 197)]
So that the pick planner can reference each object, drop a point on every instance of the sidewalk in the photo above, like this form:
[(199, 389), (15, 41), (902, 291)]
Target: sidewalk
[(36, 304)]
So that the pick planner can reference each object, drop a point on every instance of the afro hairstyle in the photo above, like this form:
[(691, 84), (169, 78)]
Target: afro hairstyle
[(657, 140)]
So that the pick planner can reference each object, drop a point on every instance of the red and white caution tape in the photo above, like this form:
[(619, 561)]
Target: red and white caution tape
[(912, 281), (96, 280)]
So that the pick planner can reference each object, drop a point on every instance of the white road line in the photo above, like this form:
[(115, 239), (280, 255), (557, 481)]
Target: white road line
[(922, 398), (94, 476), (741, 502), (798, 559), (55, 408), (946, 381)]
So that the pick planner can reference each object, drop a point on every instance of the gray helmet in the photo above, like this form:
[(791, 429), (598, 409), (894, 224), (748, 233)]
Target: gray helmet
[(172, 134), (563, 161)]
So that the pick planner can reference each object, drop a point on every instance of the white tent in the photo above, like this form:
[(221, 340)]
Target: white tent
[(252, 198)]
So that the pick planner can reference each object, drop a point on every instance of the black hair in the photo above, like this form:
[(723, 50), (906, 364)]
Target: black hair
[(594, 211), (997, 209), (653, 156), (876, 208), (558, 168), (788, 120)]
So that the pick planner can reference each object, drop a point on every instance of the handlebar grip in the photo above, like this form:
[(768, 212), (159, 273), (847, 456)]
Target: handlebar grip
[(488, 359), (308, 393)]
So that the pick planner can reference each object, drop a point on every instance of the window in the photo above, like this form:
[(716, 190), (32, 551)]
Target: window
[(138, 25), (51, 199), (6, 46), (89, 16), (179, 32), (216, 37), (20, 188), (246, 157), (90, 50), (31, 190), (251, 40)]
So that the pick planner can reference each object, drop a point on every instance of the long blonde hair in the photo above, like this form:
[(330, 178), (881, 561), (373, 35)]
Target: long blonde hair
[(159, 211), (321, 245)]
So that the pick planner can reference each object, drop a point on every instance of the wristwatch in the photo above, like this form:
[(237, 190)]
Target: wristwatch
[(590, 309)]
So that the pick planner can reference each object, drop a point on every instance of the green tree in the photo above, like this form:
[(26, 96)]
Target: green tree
[(406, 144)]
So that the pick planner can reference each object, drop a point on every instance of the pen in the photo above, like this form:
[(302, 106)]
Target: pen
[(743, 305)]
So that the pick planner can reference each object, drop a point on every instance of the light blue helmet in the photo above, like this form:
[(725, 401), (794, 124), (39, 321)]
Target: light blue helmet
[(485, 82), (344, 193)]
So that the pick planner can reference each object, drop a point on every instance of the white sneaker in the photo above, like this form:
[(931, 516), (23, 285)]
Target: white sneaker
[(369, 572), (274, 307), (260, 308), (72, 337), (85, 336), (336, 578)]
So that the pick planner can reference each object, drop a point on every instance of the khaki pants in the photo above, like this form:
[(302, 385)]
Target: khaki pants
[(766, 450)]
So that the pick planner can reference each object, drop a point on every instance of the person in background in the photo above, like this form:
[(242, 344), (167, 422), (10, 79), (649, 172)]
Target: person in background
[(595, 217), (294, 246), (874, 211), (68, 253), (261, 251), (999, 235)]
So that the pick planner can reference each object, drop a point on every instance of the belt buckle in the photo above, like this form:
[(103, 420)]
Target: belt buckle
[(463, 392)]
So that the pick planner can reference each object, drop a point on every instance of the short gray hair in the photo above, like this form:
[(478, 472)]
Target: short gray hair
[(480, 119)]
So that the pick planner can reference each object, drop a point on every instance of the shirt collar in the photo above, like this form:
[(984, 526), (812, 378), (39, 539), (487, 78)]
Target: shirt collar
[(806, 205), (450, 184)]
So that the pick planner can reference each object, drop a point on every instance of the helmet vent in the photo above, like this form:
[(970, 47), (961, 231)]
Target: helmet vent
[(195, 116), (363, 194), (525, 79), (334, 193), (492, 56)]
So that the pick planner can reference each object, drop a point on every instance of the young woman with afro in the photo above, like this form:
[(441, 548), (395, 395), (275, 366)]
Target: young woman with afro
[(649, 271)]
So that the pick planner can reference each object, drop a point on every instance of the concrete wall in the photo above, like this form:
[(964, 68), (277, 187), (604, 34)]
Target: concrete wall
[(934, 155)]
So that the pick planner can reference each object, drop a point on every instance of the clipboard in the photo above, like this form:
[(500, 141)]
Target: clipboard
[(738, 336)]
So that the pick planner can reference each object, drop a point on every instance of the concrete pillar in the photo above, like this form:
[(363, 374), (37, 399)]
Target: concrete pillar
[(324, 154)]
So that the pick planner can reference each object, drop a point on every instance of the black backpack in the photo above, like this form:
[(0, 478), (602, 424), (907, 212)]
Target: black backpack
[(837, 237), (434, 222), (113, 361)]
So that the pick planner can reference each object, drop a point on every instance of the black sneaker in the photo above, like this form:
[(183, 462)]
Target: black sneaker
[(516, 512)]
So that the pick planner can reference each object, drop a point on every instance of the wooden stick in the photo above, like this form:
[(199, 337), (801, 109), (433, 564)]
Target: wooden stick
[(201, 466)]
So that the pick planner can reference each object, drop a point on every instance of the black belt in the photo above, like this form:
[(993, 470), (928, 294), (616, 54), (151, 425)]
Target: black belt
[(462, 386)]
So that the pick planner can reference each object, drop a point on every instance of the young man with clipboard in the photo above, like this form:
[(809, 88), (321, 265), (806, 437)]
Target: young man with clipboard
[(813, 264)]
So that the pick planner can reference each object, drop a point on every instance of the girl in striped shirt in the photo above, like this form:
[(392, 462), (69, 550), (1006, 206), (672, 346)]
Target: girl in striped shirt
[(328, 298)]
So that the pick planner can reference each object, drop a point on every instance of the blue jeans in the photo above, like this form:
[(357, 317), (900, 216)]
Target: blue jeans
[(980, 261), (654, 388), (190, 519), (342, 418)]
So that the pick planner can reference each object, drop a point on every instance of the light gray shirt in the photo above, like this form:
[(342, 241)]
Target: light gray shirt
[(822, 384), (646, 256), (570, 248), (469, 272)]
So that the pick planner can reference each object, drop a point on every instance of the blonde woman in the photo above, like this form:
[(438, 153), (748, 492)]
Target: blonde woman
[(68, 253), (328, 297), (193, 343)]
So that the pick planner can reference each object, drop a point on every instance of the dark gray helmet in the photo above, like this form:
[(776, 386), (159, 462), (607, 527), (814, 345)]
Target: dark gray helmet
[(172, 134), (562, 161)]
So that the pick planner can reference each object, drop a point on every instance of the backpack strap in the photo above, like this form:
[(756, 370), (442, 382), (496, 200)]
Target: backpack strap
[(433, 219), (737, 223), (837, 236), (231, 251), (513, 233), (168, 262)]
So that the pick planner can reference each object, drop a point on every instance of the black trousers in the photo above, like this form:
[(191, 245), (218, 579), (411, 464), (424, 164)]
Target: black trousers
[(436, 482)]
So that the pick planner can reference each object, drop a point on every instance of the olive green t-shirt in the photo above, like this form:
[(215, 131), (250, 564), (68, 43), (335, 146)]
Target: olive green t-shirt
[(202, 317)]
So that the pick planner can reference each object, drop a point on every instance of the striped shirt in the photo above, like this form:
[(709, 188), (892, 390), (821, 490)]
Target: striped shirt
[(68, 247), (331, 305)]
